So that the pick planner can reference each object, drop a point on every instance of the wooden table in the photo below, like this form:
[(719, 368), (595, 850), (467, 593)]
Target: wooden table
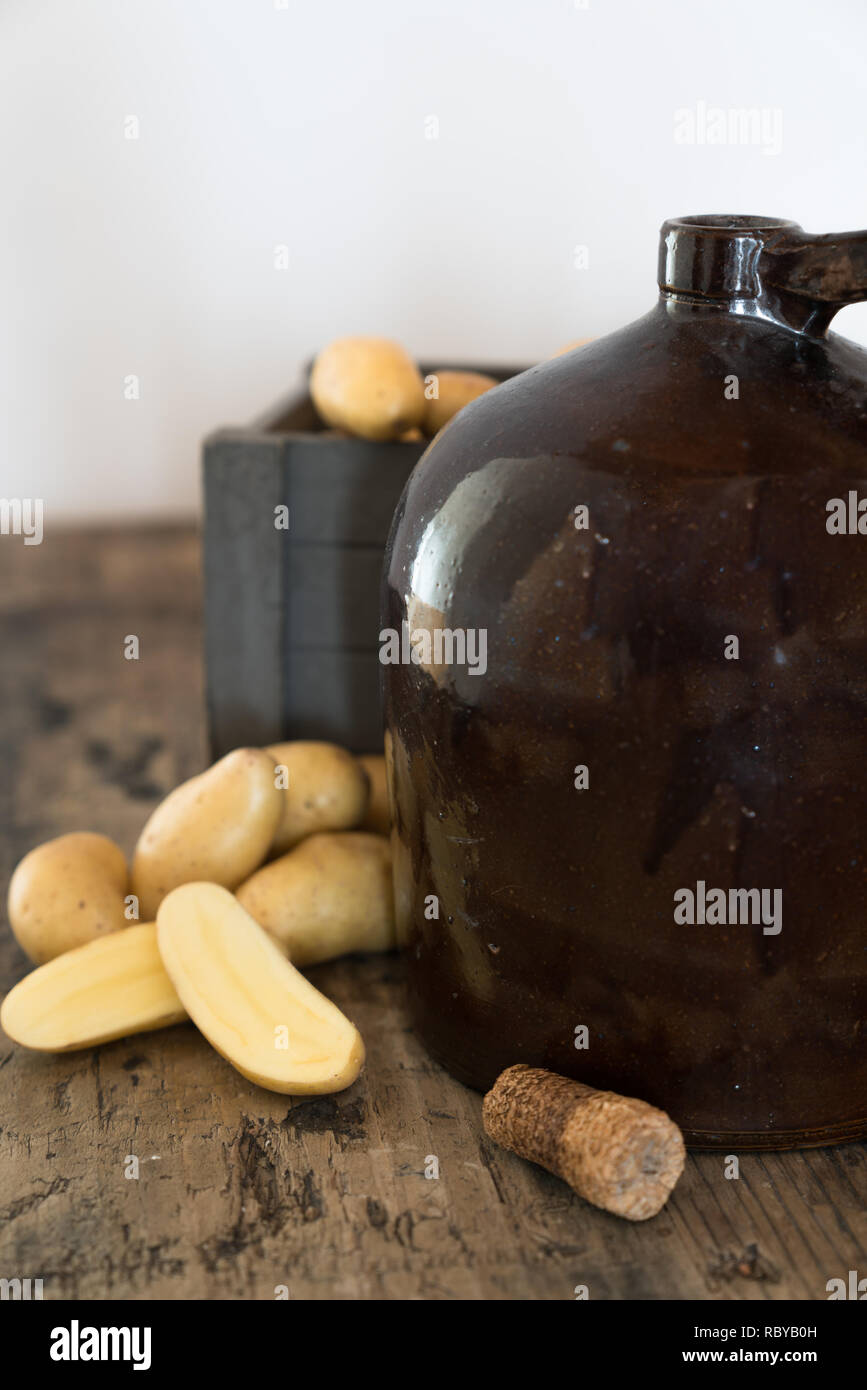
[(241, 1191)]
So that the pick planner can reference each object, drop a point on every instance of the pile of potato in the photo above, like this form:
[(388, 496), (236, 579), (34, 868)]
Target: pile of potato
[(371, 388), (270, 860)]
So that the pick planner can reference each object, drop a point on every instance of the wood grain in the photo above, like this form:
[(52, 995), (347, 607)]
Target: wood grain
[(241, 1191)]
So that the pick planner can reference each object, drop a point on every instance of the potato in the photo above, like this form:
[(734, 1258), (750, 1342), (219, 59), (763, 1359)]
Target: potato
[(327, 790), (456, 389), (330, 896), (66, 893), (570, 347), (217, 826), (368, 386), (378, 817), (111, 988), (254, 1008)]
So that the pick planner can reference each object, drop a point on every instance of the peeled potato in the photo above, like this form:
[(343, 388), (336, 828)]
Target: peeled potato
[(455, 390), (252, 1005), (110, 988), (327, 789), (217, 826), (368, 386), (378, 817), (329, 896), (67, 892)]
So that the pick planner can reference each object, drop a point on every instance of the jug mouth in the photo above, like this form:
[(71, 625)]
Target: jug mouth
[(715, 255), (729, 222)]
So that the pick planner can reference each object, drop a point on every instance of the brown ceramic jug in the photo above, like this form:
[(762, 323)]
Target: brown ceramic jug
[(625, 678)]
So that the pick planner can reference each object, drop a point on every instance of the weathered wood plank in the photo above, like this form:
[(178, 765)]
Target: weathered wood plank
[(244, 481), (239, 1190), (292, 614)]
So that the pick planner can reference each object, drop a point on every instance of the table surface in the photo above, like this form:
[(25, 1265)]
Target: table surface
[(241, 1191)]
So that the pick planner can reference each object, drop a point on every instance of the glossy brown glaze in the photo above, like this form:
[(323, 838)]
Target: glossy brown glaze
[(705, 440)]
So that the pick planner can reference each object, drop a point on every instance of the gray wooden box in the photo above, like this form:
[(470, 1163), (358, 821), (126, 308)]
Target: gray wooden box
[(292, 617)]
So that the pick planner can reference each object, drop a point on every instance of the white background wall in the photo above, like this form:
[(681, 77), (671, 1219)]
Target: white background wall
[(304, 123)]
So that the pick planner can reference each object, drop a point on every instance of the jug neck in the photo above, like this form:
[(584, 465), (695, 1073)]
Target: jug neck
[(763, 267)]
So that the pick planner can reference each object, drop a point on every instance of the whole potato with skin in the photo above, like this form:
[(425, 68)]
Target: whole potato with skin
[(327, 789), (378, 817), (455, 390), (570, 347), (328, 897), (67, 892), (368, 386), (218, 826)]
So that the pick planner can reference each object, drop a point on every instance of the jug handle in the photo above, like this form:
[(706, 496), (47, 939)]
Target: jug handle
[(817, 275)]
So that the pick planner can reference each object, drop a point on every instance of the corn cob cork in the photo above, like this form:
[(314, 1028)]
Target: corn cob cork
[(616, 1152)]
